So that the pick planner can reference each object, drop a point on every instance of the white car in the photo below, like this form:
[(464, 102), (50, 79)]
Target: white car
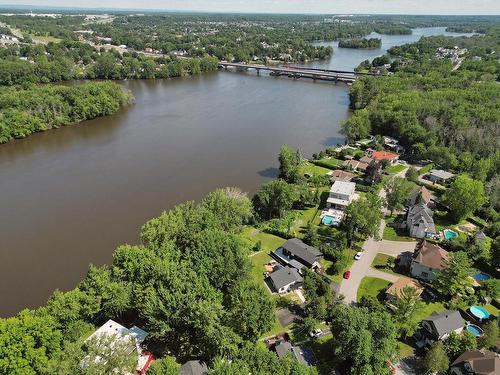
[(358, 255), (316, 333)]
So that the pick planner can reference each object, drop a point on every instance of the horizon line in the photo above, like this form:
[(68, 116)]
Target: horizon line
[(129, 9)]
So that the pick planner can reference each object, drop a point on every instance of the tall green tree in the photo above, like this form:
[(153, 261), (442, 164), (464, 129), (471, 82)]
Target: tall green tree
[(457, 344), (452, 280), (491, 335), (289, 164), (397, 191), (357, 126), (435, 359), (408, 306), (362, 218), (464, 197), (274, 199)]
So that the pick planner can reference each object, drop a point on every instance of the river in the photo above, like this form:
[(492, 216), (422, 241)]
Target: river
[(69, 196)]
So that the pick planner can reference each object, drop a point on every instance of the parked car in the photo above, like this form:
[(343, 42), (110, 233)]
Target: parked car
[(347, 274), (358, 255), (316, 333)]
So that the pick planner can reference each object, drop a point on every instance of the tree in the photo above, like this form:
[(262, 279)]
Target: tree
[(397, 191), (274, 199), (365, 339), (452, 280), (28, 343), (490, 336), (495, 252), (289, 164), (407, 306), (490, 289), (435, 359), (464, 197), (357, 126), (164, 366), (362, 218), (456, 343), (412, 174)]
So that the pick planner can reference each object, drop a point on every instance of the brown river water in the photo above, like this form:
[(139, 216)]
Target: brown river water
[(69, 196)]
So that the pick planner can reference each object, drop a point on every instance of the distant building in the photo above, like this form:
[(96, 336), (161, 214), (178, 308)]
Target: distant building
[(193, 368), (476, 362), (340, 175), (132, 337), (439, 176), (356, 165), (383, 155), (284, 348), (419, 221), (342, 193), (297, 254), (285, 279), (439, 326), (428, 260), (420, 195)]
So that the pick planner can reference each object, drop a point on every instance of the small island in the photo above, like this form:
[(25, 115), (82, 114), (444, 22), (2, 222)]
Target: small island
[(361, 43)]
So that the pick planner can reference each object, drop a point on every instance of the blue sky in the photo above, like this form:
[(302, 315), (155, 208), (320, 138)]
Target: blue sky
[(487, 7)]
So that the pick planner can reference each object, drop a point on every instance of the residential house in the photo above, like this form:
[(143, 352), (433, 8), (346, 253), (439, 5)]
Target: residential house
[(420, 195), (342, 193), (297, 254), (439, 176), (285, 279), (480, 236), (427, 261), (193, 367), (439, 326), (394, 291), (365, 159), (340, 175), (284, 348), (356, 165), (383, 155), (131, 338), (476, 362), (419, 221)]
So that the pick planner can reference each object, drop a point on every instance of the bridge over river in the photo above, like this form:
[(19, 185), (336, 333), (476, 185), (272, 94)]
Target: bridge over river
[(298, 72)]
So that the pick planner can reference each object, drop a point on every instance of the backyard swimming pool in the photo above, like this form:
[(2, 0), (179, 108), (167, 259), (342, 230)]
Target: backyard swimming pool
[(474, 329), (330, 220), (449, 234), (479, 312), (481, 276)]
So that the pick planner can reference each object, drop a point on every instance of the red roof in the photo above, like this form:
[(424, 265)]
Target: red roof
[(384, 155)]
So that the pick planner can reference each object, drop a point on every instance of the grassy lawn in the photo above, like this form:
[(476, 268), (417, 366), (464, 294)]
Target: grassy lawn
[(330, 163), (330, 272), (396, 168), (268, 242), (44, 39), (259, 260), (405, 350), (312, 169), (425, 169), (395, 234), (428, 308), (381, 263), (492, 310), (371, 286), (303, 219)]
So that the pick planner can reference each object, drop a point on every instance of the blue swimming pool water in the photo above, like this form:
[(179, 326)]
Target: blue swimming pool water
[(479, 312), (475, 330), (481, 276), (449, 234), (329, 220)]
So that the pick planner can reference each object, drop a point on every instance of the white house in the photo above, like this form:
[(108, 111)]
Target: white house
[(439, 176), (427, 261), (342, 193), (419, 221), (438, 327), (285, 278)]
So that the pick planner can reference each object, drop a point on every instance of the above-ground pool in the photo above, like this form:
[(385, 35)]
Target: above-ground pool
[(330, 220), (481, 276), (449, 234), (479, 312), (474, 329)]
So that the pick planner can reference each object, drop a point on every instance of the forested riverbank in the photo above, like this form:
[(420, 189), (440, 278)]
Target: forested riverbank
[(26, 110), (362, 43)]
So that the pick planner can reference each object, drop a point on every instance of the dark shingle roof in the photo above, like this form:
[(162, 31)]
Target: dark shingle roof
[(193, 368), (302, 251), (285, 276), (284, 348), (482, 362), (446, 322)]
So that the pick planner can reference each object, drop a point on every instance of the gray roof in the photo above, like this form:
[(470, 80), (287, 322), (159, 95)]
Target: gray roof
[(303, 252), (193, 368), (420, 212), (285, 276), (285, 348), (446, 322), (441, 174)]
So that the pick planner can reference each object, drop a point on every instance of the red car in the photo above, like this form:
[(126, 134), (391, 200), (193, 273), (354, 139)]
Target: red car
[(347, 274)]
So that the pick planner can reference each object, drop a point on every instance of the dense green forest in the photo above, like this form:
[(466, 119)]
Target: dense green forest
[(24, 111), (363, 43)]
